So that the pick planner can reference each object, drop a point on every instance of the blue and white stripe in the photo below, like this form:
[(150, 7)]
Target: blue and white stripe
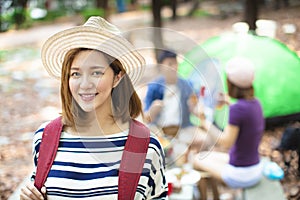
[(87, 168)]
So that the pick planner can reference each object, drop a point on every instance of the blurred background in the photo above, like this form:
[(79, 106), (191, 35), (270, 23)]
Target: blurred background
[(29, 96)]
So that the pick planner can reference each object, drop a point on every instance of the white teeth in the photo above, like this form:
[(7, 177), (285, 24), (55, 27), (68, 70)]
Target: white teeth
[(87, 97)]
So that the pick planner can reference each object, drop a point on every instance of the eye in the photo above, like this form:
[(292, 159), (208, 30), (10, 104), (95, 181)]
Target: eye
[(75, 74), (97, 73)]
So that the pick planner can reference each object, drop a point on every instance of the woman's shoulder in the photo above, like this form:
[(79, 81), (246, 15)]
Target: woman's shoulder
[(155, 149), (39, 131), (45, 123), (243, 106), (157, 83), (245, 103), (42, 126), (155, 143), (185, 85), (154, 139)]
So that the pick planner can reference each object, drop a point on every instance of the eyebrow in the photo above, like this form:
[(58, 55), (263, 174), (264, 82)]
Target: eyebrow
[(92, 67)]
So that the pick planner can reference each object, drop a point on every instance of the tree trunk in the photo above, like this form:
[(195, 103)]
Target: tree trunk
[(251, 13), (174, 8), (196, 4), (103, 4), (47, 4), (21, 3), (19, 15), (1, 28), (157, 24), (156, 8)]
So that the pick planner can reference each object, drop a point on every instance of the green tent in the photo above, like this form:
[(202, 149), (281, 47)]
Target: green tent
[(277, 69)]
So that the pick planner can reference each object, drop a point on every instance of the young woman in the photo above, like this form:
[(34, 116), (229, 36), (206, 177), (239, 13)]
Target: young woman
[(97, 68), (241, 167)]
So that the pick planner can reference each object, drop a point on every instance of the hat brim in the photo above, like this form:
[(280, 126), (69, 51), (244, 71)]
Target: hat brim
[(56, 47)]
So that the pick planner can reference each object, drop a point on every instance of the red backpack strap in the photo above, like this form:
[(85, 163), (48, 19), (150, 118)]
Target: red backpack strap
[(133, 160), (47, 152)]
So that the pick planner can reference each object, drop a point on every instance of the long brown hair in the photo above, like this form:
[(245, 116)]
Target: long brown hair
[(125, 101)]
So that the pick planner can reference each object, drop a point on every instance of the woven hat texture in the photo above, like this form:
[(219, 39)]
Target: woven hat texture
[(97, 34)]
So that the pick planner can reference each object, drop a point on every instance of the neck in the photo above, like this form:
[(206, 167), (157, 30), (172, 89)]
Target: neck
[(171, 80), (248, 97), (98, 127), (102, 123)]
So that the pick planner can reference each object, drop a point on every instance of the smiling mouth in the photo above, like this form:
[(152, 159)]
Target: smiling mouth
[(88, 97)]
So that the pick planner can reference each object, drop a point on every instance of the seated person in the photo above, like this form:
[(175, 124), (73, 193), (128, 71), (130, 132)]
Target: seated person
[(241, 166), (169, 103)]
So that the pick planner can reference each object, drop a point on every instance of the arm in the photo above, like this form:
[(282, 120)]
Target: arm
[(154, 110), (190, 97), (29, 191), (226, 138), (150, 96), (153, 102), (194, 106), (157, 180)]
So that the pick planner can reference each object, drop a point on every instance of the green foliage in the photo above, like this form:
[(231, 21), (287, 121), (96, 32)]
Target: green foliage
[(54, 14), (4, 25), (25, 18), (166, 2), (88, 12), (18, 18), (3, 54), (146, 7), (200, 13)]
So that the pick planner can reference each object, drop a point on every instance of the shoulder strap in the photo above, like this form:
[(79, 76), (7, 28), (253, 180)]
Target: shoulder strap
[(47, 152), (133, 159)]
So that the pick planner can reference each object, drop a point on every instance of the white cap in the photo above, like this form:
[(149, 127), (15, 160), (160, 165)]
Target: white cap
[(240, 71)]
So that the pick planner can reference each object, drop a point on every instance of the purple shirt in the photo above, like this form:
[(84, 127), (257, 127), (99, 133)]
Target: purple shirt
[(248, 116)]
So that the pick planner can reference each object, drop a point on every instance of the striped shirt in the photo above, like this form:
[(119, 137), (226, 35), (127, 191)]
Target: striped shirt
[(86, 167)]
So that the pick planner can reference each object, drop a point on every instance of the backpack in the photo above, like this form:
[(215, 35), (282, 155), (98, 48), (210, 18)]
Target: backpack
[(129, 173), (290, 140)]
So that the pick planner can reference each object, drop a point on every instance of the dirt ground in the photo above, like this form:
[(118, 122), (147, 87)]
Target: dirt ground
[(28, 99)]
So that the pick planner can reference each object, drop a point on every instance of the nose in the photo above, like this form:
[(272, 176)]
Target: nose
[(86, 82)]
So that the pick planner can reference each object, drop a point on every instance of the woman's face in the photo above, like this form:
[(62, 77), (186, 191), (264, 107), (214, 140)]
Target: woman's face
[(91, 80)]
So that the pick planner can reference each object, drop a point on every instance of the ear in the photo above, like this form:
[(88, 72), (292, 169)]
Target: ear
[(117, 79)]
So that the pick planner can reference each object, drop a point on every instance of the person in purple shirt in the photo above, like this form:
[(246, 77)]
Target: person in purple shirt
[(240, 165)]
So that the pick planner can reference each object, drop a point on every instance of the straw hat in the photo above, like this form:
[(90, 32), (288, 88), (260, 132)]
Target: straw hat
[(96, 34), (240, 71)]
